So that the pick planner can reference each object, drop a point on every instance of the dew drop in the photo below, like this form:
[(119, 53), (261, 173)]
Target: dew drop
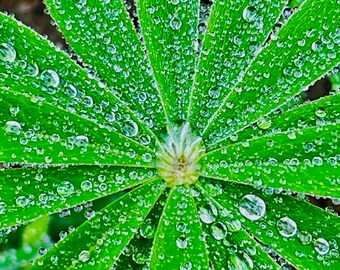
[(84, 256), (208, 213), (50, 78), (7, 53), (250, 14), (65, 189), (81, 141), (21, 201), (218, 230), (3, 207), (175, 23), (13, 127), (130, 128), (252, 207), (321, 246), (33, 69), (286, 227), (182, 242), (86, 185)]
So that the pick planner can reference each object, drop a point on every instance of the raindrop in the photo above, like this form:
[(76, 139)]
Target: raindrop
[(250, 14), (208, 213), (13, 127), (2, 208), (252, 207), (81, 141), (21, 201), (50, 78), (65, 189), (218, 230), (286, 227), (321, 246), (182, 242), (175, 23), (84, 256), (130, 128), (7, 53)]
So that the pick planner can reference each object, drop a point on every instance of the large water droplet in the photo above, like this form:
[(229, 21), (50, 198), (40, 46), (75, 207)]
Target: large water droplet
[(50, 78), (321, 246), (286, 227), (7, 53), (208, 213), (13, 127), (252, 207), (65, 189)]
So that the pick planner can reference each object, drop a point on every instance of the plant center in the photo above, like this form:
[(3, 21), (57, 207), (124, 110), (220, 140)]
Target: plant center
[(178, 158)]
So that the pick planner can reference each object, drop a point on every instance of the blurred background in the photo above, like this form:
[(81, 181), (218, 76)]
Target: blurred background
[(20, 245)]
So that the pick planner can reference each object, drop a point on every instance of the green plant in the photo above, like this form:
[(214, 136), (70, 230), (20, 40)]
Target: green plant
[(236, 159)]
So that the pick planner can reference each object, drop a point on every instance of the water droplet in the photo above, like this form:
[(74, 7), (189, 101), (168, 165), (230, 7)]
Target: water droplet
[(234, 225), (3, 207), (130, 128), (236, 263), (263, 123), (13, 127), (286, 227), (218, 230), (252, 207), (305, 237), (84, 256), (7, 53), (175, 23), (208, 213), (182, 242), (21, 201), (320, 113), (86, 185), (321, 246), (33, 69), (250, 14), (147, 229), (50, 78), (81, 141), (65, 189)]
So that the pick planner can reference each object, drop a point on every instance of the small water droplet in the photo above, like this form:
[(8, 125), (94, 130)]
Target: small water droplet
[(84, 256), (252, 207), (65, 189), (286, 227), (13, 127), (86, 185), (21, 201), (50, 78), (182, 242), (3, 207), (81, 141), (250, 14), (7, 53), (321, 246), (175, 23)]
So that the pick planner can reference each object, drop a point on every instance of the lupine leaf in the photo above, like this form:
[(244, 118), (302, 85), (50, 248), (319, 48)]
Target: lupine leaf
[(170, 31), (38, 69), (317, 113), (103, 36), (303, 160), (29, 193), (101, 240), (178, 243), (236, 32), (37, 132), (302, 233), (305, 49)]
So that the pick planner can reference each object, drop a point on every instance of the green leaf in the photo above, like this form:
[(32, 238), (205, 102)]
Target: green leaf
[(302, 233), (137, 254), (35, 231), (36, 132), (236, 32), (29, 193), (303, 160), (178, 243), (103, 36), (38, 69), (223, 233), (170, 32), (311, 114), (306, 48), (101, 240)]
